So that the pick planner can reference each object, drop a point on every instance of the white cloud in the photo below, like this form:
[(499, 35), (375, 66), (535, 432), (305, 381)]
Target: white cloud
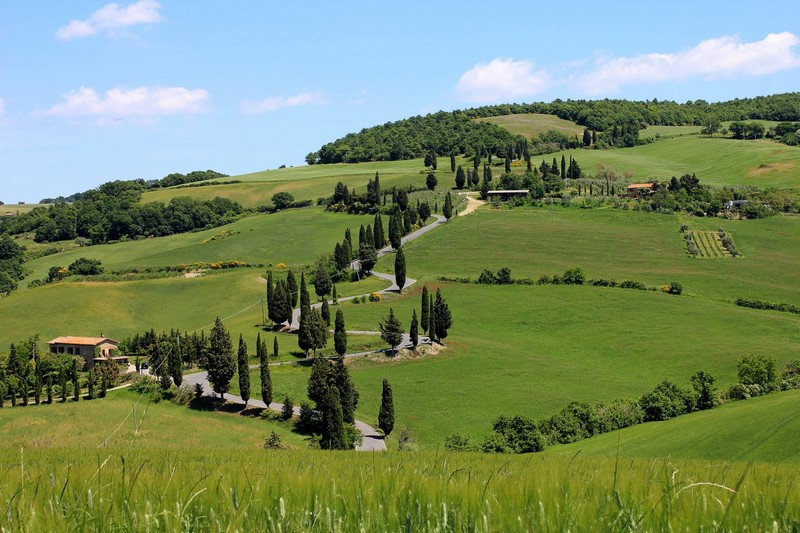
[(140, 101), (112, 17), (273, 103), (502, 79), (724, 57)]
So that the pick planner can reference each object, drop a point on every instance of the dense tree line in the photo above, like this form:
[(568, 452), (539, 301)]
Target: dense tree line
[(112, 212), (12, 257), (608, 123)]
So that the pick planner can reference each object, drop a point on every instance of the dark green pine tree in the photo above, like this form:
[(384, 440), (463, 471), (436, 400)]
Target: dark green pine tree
[(447, 210), (305, 299), (304, 333), (554, 168), (275, 348), (587, 137), (340, 334), (332, 421), (461, 178), (370, 235), (484, 191), (376, 189), (280, 304), (391, 330), (62, 383), (322, 281), (320, 380), (244, 371), (432, 321), (452, 162), (291, 288), (413, 331), (400, 270), (386, 413), (407, 224), (319, 331), (362, 236), (395, 231), (377, 232), (348, 395), (444, 320), (220, 364), (325, 312), (563, 167), (425, 311), (76, 387), (263, 369)]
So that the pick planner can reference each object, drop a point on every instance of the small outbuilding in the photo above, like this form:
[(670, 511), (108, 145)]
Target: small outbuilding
[(638, 190), (91, 349)]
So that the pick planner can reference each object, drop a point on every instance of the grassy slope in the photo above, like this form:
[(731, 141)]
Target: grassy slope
[(531, 124), (87, 424), (760, 429), (308, 182)]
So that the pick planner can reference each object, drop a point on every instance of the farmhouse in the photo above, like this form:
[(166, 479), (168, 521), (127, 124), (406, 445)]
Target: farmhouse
[(638, 190), (92, 349)]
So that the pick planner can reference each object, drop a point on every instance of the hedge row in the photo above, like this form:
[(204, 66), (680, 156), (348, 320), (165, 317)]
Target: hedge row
[(759, 304)]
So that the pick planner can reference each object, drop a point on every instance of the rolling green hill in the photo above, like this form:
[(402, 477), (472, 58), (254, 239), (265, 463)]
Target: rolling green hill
[(760, 429), (532, 124)]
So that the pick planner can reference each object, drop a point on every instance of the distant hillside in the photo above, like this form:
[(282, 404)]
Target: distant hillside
[(458, 132)]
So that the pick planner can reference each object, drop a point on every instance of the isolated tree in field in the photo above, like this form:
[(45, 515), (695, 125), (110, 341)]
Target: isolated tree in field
[(425, 309), (391, 330), (447, 209), (367, 256), (452, 162), (263, 368), (386, 412), (461, 178), (340, 334), (703, 384), (322, 281), (413, 331), (424, 211), (431, 181), (400, 269), (275, 351), (332, 421), (443, 318), (244, 371), (377, 232), (282, 200), (325, 313), (291, 289), (220, 364), (348, 395)]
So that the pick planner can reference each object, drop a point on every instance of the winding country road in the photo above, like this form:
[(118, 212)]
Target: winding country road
[(371, 441)]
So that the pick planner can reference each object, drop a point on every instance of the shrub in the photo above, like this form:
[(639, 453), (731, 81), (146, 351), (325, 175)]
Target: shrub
[(675, 288), (184, 395), (458, 442), (374, 297), (486, 278), (575, 422), (405, 442), (273, 442), (520, 433), (287, 411), (666, 401), (142, 383), (618, 414), (85, 267), (198, 391), (573, 276), (756, 369), (503, 276), (495, 443), (790, 377)]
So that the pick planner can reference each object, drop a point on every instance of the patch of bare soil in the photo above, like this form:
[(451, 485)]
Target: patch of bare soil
[(472, 204), (770, 167)]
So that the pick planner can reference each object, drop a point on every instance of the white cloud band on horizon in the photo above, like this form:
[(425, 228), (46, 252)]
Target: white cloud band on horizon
[(501, 79), (112, 17), (273, 103), (723, 57), (139, 101)]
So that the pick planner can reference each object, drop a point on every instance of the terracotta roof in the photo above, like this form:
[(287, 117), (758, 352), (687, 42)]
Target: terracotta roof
[(641, 186), (82, 341)]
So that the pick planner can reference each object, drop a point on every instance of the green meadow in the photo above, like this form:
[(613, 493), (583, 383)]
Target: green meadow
[(532, 124), (759, 429)]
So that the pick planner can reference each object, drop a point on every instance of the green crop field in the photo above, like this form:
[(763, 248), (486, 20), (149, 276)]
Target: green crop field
[(19, 209), (754, 430), (532, 124), (308, 182)]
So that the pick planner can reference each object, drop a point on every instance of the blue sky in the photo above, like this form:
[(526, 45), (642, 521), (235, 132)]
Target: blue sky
[(92, 91)]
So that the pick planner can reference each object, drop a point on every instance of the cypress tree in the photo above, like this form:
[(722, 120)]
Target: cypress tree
[(220, 363), (12, 392), (431, 322), (103, 384), (340, 334), (377, 232), (348, 395), (49, 389), (395, 231), (443, 318), (563, 167), (291, 289), (91, 380), (447, 210), (305, 299), (325, 312), (175, 365), (452, 162), (304, 341), (362, 236), (460, 178), (386, 413), (75, 383), (62, 383), (275, 347), (334, 295), (319, 331), (322, 281), (270, 295), (424, 320), (244, 371), (332, 421), (263, 368), (320, 380), (376, 189), (413, 331), (2, 393), (349, 239), (507, 163), (370, 235), (400, 269)]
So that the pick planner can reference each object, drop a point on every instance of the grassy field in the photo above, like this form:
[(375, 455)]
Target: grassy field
[(19, 209), (110, 422), (308, 182), (532, 350), (532, 124), (220, 490), (753, 430), (616, 244), (294, 237)]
